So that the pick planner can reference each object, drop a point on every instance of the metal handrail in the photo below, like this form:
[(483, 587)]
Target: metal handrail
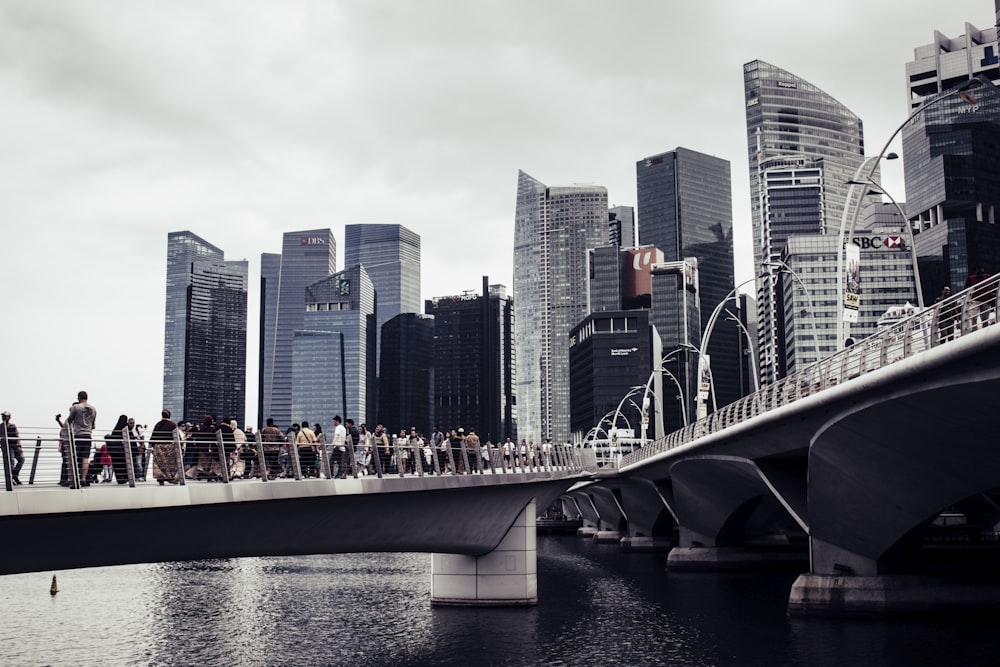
[(962, 313)]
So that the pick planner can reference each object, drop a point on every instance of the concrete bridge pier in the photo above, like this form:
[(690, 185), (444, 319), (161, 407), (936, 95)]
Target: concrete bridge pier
[(730, 518), (613, 521), (650, 520), (507, 576)]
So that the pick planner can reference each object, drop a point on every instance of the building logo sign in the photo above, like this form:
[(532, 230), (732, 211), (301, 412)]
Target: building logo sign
[(312, 240), (623, 351), (875, 242), (752, 102), (787, 84)]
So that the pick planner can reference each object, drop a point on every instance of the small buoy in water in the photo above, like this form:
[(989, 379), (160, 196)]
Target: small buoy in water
[(54, 589)]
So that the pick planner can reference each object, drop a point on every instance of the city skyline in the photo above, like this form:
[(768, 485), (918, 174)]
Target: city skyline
[(115, 137)]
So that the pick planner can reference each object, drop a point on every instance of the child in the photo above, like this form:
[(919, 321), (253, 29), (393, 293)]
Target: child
[(105, 459)]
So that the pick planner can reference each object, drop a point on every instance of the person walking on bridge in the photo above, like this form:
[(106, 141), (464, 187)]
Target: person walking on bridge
[(164, 451), (13, 446)]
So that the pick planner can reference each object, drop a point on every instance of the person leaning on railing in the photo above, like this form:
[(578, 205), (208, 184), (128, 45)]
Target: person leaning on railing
[(14, 446)]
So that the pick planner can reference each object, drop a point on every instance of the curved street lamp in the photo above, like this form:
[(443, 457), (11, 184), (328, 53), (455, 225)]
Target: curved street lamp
[(842, 328), (704, 363)]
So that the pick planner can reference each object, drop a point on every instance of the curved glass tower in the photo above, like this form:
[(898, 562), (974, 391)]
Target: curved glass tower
[(803, 146)]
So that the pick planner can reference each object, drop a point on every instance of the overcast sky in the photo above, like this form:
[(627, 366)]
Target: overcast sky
[(123, 120)]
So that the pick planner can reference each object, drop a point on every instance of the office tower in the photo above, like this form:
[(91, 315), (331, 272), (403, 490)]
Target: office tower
[(611, 353), (474, 362), (554, 227), (946, 63), (622, 231), (331, 352), (685, 210), (205, 332), (619, 278), (950, 152), (886, 279), (306, 257), (803, 147), (676, 314), (391, 255), (406, 374)]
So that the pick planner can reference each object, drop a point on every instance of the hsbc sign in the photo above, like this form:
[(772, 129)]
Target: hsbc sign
[(875, 242)]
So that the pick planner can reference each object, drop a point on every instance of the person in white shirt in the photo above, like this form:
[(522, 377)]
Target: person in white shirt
[(338, 448)]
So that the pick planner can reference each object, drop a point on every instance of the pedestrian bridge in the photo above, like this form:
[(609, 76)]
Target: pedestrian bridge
[(479, 527), (844, 467)]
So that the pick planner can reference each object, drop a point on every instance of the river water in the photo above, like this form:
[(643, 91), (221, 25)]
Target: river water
[(596, 607)]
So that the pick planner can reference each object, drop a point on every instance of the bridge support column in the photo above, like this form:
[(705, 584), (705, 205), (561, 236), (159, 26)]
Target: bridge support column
[(506, 576), (892, 595)]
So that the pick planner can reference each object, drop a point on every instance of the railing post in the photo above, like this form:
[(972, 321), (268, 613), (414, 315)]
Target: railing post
[(418, 457), (223, 457), (491, 454), (261, 457), (465, 456), (352, 459), (129, 461), (179, 454), (7, 476), (400, 465), (377, 456), (435, 459), (293, 451), (34, 459), (71, 464), (326, 466), (451, 456)]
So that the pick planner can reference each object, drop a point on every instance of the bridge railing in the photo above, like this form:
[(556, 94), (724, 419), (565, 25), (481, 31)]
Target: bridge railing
[(944, 321), (39, 457)]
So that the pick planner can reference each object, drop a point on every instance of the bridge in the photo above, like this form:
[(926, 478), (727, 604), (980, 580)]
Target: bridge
[(479, 527), (846, 469)]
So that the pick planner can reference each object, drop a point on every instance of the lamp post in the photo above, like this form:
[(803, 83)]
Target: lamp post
[(842, 328), (754, 371), (805, 291), (704, 363), (871, 182)]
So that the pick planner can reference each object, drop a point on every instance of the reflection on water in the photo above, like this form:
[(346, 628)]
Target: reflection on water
[(596, 607)]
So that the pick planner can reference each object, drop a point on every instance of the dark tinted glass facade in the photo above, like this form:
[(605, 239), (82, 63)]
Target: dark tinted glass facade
[(306, 257), (205, 331), (610, 353), (406, 372), (474, 363), (952, 169), (685, 210)]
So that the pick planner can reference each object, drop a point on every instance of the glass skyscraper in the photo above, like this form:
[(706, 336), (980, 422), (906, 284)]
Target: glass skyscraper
[(554, 227), (685, 208), (331, 360), (951, 153), (406, 374), (205, 332), (306, 257), (803, 146)]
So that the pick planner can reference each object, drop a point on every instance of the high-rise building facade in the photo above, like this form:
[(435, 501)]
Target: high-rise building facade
[(803, 147), (306, 257), (332, 362), (950, 152), (807, 288), (554, 227), (474, 362), (205, 332), (622, 231), (406, 374), (686, 210), (948, 62), (676, 313), (611, 352)]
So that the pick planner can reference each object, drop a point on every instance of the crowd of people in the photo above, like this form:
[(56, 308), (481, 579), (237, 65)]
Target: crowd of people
[(219, 450)]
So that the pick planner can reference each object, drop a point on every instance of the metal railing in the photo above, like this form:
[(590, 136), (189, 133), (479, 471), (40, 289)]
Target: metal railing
[(213, 458), (959, 315)]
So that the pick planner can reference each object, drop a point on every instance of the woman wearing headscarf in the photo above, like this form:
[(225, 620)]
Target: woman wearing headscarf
[(116, 448)]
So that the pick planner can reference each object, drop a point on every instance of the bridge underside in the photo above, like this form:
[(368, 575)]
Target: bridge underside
[(252, 519)]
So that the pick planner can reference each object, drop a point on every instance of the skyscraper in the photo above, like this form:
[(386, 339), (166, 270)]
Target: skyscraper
[(685, 207), (950, 150), (803, 147), (554, 227), (306, 257), (205, 335), (406, 374), (331, 352), (622, 231), (474, 362)]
